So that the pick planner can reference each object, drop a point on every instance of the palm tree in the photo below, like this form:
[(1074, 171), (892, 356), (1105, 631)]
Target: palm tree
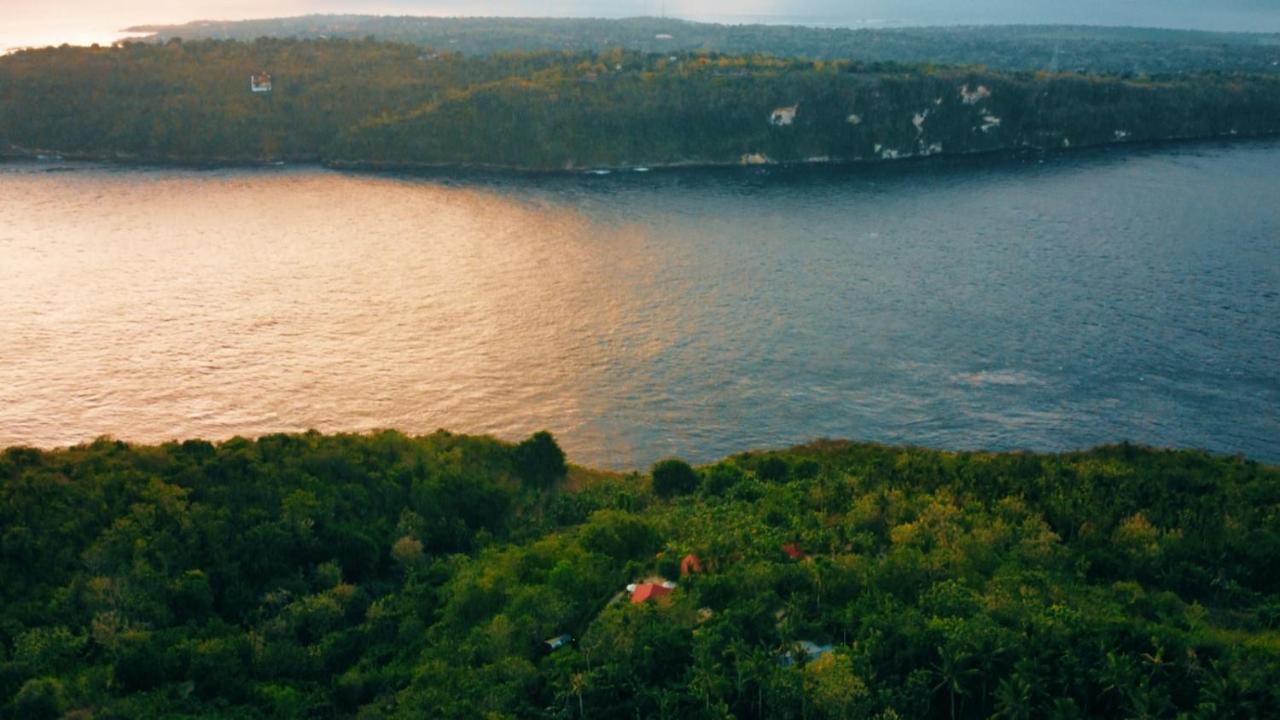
[(706, 675), (1013, 699), (1222, 697), (577, 685), (1116, 676), (952, 670), (1064, 709)]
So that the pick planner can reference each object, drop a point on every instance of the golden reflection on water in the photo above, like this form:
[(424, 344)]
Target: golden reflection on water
[(638, 316), (171, 305)]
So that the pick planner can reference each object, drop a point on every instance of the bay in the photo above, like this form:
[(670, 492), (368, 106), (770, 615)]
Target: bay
[(1044, 303)]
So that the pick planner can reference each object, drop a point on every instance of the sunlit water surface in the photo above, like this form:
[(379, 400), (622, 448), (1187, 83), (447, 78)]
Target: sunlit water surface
[(1044, 304)]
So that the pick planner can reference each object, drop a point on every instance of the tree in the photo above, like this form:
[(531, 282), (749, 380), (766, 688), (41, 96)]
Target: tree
[(772, 469), (619, 535), (674, 477), (1013, 699), (407, 551), (953, 672), (138, 664), (540, 461), (833, 687), (41, 699), (720, 477)]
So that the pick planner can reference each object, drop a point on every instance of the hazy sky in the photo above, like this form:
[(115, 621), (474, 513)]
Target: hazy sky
[(39, 22)]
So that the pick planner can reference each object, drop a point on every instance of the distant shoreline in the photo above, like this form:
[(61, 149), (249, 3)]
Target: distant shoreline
[(385, 106), (161, 31), (52, 158)]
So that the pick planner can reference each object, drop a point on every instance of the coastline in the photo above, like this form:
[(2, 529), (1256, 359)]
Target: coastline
[(815, 445), (42, 155)]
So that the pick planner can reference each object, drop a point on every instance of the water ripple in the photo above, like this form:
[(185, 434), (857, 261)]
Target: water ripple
[(965, 304)]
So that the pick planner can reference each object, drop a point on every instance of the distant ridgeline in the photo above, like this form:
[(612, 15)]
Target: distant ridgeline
[(1108, 50), (385, 104)]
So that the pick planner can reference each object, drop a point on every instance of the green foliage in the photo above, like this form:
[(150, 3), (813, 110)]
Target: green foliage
[(368, 103), (772, 469), (673, 477), (139, 664), (719, 478), (40, 699), (384, 576), (619, 535), (540, 461), (47, 649)]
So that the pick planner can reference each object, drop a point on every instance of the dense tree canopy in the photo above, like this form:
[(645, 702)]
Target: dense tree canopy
[(384, 576), (382, 104)]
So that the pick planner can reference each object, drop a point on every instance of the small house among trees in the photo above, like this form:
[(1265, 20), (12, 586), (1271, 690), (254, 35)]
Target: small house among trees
[(557, 642), (260, 82), (644, 592), (806, 649), (690, 564)]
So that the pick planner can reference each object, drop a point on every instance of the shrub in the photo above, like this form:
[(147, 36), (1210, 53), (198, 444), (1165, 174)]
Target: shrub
[(619, 535), (772, 469), (674, 477), (41, 699), (720, 477), (540, 461)]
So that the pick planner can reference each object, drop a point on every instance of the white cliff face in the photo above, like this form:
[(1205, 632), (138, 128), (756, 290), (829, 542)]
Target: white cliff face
[(918, 120), (973, 97), (784, 116)]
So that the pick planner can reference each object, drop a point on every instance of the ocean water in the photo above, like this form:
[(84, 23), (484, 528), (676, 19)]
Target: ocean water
[(1046, 303)]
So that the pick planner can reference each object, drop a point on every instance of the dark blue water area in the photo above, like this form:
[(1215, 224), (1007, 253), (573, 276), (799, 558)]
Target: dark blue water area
[(1041, 302)]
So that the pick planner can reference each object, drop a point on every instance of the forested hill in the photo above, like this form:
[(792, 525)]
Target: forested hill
[(368, 102), (1053, 48), (384, 576)]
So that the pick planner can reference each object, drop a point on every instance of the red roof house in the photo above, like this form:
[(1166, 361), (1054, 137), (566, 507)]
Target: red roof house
[(793, 551), (690, 564), (645, 592)]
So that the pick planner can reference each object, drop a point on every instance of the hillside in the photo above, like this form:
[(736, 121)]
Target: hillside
[(382, 104), (385, 576), (1097, 50)]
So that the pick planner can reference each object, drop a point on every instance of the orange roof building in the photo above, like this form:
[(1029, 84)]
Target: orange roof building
[(645, 592), (793, 551), (690, 564)]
